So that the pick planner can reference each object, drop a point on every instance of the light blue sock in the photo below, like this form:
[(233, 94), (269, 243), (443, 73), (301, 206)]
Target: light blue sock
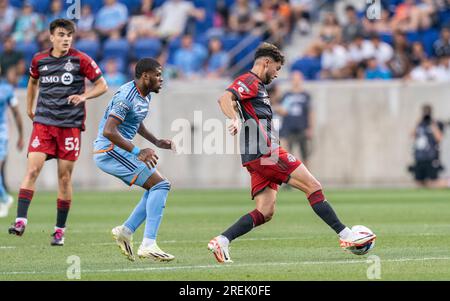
[(3, 194), (156, 203), (137, 217)]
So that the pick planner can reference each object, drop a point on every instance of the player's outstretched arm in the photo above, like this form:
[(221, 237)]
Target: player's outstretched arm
[(31, 95), (99, 88), (227, 103), (161, 143), (110, 131)]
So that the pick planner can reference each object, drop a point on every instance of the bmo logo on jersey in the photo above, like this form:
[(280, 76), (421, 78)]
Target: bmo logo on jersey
[(66, 79)]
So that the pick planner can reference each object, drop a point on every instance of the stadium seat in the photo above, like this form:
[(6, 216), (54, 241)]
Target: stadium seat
[(387, 37), (16, 3), (230, 41), (413, 36), (40, 6), (116, 48), (309, 66), (132, 5), (428, 38), (146, 47), (29, 49), (89, 47)]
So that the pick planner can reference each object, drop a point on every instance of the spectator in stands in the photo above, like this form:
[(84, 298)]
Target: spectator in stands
[(9, 57), (143, 23), (85, 25), (427, 71), (297, 113), (190, 58), (334, 61), (376, 71), (241, 16), (417, 54), (444, 67), (381, 25), (112, 17), (383, 51), (275, 23), (310, 64), (410, 16), (330, 28), (360, 49), (173, 15), (442, 46), (217, 61), (7, 18), (56, 12), (353, 27), (399, 64), (112, 74), (28, 24), (301, 10), (428, 135)]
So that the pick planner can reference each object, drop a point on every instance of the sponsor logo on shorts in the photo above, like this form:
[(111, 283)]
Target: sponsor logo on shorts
[(35, 142), (291, 158)]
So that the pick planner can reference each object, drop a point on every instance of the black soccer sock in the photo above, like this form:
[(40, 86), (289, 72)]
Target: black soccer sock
[(23, 203), (63, 207), (244, 225), (324, 210)]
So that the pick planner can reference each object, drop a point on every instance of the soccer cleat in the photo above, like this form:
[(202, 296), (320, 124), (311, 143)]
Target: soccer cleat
[(124, 241), (154, 252), (58, 238), (17, 228), (220, 251), (356, 239)]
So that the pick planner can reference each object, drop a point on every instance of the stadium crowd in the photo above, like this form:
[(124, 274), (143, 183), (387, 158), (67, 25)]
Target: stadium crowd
[(193, 38)]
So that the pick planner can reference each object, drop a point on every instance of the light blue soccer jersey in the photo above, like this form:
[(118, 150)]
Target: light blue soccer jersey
[(128, 106), (7, 99)]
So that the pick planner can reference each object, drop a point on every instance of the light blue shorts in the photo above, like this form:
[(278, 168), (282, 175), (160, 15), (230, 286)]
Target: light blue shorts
[(3, 148), (123, 165)]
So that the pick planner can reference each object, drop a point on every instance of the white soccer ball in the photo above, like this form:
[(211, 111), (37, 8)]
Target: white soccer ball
[(364, 249)]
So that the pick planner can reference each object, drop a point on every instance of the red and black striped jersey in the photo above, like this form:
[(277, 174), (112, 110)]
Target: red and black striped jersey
[(60, 77), (256, 136)]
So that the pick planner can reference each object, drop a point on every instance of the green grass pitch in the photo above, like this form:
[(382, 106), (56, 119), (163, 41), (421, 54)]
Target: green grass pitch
[(413, 228)]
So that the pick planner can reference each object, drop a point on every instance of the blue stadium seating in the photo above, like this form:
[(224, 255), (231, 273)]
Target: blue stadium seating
[(29, 49), (122, 65), (309, 66), (413, 36), (428, 38), (132, 5), (116, 48), (387, 37), (146, 47), (91, 48), (41, 6)]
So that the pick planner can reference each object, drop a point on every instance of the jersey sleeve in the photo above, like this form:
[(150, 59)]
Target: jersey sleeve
[(120, 108), (34, 71), (89, 68), (244, 88)]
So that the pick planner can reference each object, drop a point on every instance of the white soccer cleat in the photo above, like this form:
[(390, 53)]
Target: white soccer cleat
[(4, 207), (124, 241), (154, 252), (356, 239), (220, 250)]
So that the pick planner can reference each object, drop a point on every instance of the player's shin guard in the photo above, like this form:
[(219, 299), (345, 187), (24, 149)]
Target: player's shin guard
[(324, 210), (137, 217), (62, 208), (244, 225), (23, 203), (156, 202)]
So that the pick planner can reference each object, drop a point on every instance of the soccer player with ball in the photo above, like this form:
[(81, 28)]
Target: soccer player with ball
[(270, 165)]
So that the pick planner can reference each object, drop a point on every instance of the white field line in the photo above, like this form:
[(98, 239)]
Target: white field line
[(222, 266)]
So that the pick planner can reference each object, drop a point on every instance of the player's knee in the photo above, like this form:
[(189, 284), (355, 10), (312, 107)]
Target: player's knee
[(33, 172), (314, 186), (65, 179)]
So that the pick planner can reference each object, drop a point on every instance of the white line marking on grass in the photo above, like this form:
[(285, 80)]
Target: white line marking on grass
[(7, 247), (220, 266)]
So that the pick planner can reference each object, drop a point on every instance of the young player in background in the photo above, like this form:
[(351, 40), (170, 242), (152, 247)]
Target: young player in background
[(7, 100), (115, 154), (269, 165), (59, 73)]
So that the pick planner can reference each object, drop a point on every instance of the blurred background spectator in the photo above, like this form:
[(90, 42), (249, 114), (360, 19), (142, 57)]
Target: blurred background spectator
[(112, 74)]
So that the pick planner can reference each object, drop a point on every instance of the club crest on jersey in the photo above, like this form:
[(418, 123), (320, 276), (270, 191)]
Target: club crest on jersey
[(35, 142), (291, 158), (67, 78), (69, 66)]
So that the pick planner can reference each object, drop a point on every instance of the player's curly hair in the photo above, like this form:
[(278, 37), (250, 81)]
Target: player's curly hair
[(269, 50), (67, 24), (146, 65)]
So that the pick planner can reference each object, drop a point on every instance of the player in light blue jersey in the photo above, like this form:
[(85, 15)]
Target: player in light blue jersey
[(115, 154), (7, 100)]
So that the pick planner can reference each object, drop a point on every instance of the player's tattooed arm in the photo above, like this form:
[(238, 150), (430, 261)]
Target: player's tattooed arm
[(100, 87), (32, 88), (227, 103), (161, 143)]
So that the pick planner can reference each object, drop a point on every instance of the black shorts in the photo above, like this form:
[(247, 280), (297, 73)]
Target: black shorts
[(427, 170)]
